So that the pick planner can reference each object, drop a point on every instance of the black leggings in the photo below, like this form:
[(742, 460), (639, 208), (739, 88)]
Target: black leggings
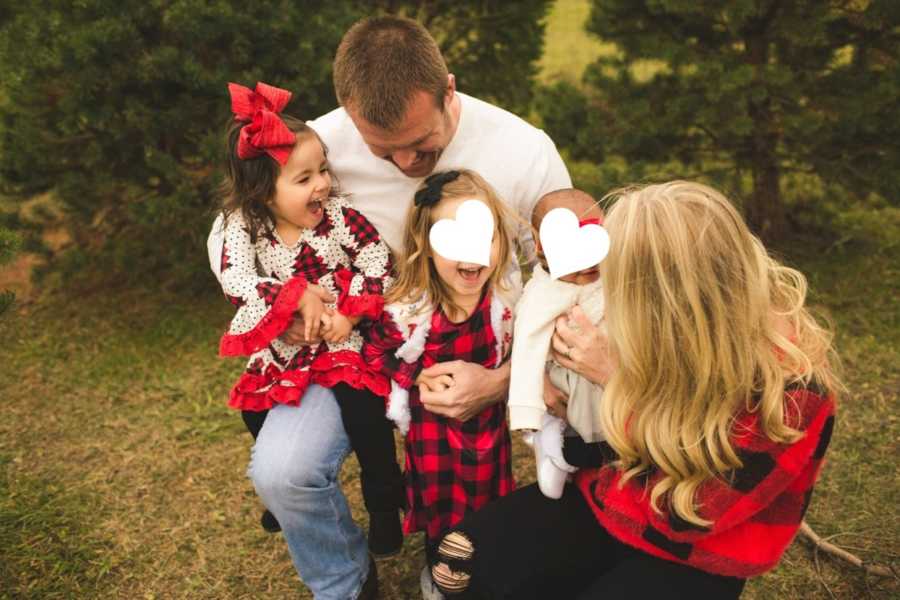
[(371, 437), (528, 546)]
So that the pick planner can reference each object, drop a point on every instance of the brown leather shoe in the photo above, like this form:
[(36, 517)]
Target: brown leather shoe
[(369, 589)]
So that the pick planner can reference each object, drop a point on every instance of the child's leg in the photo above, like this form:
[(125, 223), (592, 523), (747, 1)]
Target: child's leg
[(552, 468), (254, 421), (372, 438)]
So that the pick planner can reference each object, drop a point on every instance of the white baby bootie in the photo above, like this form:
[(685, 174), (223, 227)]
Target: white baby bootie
[(552, 468)]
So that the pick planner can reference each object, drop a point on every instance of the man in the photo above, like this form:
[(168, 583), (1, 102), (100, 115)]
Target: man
[(401, 118)]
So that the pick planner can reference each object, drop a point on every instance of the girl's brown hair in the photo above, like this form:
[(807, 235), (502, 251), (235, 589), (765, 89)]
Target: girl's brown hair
[(249, 184), (417, 274)]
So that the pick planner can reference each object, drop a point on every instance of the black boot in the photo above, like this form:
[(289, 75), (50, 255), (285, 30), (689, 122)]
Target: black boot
[(369, 589), (269, 522), (385, 533)]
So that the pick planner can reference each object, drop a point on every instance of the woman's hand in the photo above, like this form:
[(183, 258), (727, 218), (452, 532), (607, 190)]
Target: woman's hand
[(580, 346)]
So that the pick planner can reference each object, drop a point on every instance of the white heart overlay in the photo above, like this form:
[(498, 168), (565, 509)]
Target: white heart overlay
[(570, 248), (468, 237)]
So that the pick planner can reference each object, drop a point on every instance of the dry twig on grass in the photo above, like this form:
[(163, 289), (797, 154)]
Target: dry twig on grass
[(821, 544)]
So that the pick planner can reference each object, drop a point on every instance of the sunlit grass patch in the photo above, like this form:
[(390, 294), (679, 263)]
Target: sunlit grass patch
[(568, 47)]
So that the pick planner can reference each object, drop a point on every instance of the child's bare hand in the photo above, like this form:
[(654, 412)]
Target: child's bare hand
[(555, 400), (339, 329), (295, 333), (435, 384), (311, 309)]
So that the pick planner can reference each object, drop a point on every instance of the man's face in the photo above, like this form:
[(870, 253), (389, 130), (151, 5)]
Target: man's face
[(416, 144)]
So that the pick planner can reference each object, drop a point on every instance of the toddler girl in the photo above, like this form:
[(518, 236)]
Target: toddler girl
[(292, 243), (444, 310)]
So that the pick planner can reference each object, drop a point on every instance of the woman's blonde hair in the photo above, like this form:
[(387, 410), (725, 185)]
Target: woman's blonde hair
[(703, 324), (416, 273)]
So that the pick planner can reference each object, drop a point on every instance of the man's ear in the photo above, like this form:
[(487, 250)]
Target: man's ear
[(451, 88)]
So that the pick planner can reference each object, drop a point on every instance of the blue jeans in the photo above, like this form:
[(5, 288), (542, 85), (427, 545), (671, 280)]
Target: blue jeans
[(294, 467)]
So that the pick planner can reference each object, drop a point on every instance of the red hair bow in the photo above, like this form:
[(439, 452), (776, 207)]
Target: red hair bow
[(265, 133)]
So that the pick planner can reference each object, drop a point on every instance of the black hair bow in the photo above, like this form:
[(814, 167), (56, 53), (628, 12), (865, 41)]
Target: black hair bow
[(434, 184)]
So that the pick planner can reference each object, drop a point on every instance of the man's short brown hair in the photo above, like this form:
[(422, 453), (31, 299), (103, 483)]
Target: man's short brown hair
[(381, 62)]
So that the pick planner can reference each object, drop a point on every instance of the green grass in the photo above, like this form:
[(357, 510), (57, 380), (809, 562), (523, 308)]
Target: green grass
[(123, 470), (569, 48)]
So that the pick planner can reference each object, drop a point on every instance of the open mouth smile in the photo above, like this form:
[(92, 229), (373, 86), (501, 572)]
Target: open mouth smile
[(470, 274)]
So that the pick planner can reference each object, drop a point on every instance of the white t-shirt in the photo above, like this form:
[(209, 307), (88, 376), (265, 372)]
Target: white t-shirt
[(519, 160)]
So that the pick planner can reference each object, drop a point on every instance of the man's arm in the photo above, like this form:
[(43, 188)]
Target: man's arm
[(474, 388)]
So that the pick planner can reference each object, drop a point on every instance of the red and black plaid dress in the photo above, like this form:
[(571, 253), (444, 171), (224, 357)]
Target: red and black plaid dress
[(452, 467)]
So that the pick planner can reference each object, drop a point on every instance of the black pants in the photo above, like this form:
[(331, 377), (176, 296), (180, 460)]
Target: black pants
[(529, 546), (371, 437)]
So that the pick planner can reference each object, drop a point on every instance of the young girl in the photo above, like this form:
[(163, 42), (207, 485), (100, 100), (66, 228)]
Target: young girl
[(718, 408), (290, 241), (443, 310)]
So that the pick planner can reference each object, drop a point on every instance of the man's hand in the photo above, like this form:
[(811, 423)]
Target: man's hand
[(474, 388), (581, 347), (434, 384), (295, 334), (555, 400)]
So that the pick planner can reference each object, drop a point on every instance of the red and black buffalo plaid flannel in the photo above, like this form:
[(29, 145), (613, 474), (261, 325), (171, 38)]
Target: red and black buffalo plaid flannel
[(452, 467), (755, 512)]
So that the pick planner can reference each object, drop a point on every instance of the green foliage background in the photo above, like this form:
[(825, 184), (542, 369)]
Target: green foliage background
[(118, 108), (788, 105)]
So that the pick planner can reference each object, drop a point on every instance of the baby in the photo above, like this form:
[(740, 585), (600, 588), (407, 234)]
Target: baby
[(543, 300)]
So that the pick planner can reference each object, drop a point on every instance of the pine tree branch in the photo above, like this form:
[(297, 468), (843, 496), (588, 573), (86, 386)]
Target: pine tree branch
[(829, 548)]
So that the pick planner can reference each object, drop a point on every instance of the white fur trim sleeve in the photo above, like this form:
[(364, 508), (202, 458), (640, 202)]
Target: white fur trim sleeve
[(414, 345), (398, 407)]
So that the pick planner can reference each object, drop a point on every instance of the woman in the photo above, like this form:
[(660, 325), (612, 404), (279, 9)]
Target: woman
[(717, 414)]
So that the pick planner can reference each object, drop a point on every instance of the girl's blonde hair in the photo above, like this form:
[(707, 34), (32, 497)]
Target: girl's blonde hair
[(703, 324), (416, 273)]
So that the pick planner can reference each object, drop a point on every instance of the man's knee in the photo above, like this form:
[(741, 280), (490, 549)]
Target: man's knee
[(278, 469), (275, 474)]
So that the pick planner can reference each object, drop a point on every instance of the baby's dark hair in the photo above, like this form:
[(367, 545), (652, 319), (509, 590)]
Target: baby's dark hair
[(249, 184)]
